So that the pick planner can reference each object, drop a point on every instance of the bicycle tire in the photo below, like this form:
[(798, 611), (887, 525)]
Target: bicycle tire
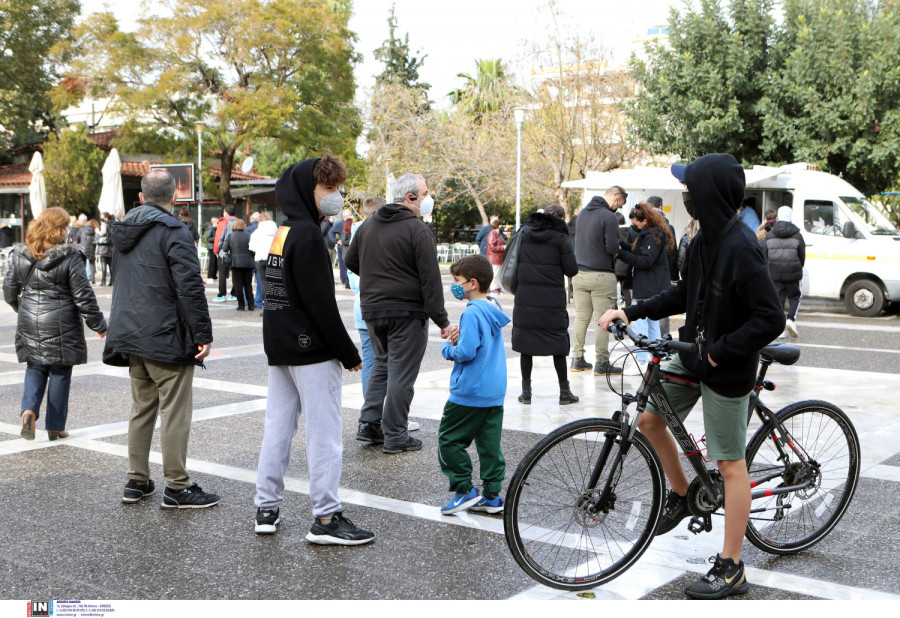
[(825, 434), (560, 544)]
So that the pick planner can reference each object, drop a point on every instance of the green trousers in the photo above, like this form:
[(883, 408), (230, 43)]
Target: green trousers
[(460, 426)]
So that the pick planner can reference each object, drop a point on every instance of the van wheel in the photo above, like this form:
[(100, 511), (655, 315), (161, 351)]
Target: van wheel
[(864, 298)]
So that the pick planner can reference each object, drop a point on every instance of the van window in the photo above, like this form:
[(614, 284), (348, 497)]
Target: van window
[(822, 217)]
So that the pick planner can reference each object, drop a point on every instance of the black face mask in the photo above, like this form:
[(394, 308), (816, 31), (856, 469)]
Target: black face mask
[(689, 204)]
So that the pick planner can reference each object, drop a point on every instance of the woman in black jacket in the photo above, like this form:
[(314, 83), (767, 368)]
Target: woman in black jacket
[(647, 258), (540, 318), (242, 264), (85, 242), (184, 215), (47, 286)]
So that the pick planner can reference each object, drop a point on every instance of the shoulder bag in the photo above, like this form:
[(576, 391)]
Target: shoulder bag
[(508, 273)]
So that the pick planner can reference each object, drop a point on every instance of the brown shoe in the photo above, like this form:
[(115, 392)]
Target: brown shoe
[(53, 435), (28, 420)]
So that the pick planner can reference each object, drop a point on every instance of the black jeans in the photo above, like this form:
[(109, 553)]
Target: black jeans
[(106, 264), (224, 267), (791, 291), (242, 278)]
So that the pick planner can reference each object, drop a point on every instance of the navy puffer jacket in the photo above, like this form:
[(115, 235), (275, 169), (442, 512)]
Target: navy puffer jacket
[(57, 295)]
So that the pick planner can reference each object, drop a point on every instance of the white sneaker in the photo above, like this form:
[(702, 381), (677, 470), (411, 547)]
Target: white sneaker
[(412, 426), (783, 335), (791, 327)]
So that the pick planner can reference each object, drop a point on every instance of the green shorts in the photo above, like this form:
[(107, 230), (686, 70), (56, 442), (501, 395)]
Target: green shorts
[(724, 418)]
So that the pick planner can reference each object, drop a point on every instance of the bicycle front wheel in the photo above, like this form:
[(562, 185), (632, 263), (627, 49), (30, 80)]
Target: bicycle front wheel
[(551, 528), (823, 434)]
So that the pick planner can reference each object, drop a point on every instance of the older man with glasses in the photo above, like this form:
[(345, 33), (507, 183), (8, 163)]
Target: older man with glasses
[(596, 247)]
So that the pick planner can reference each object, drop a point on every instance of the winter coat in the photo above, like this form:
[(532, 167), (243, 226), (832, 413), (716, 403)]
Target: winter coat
[(785, 250), (495, 247), (742, 313), (239, 245), (85, 241), (159, 310), (56, 297), (596, 237), (540, 318), (104, 249), (192, 228), (481, 238), (261, 240), (649, 264), (210, 238)]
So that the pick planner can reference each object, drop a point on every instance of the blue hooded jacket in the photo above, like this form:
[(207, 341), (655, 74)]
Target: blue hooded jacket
[(479, 375)]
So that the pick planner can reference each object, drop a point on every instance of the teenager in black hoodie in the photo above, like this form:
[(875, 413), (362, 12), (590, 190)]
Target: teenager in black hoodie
[(730, 304), (306, 344)]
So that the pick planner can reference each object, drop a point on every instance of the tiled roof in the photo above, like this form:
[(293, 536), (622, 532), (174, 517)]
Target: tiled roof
[(102, 138), (16, 175)]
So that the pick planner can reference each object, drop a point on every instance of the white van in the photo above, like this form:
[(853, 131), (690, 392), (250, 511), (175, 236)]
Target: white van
[(852, 250)]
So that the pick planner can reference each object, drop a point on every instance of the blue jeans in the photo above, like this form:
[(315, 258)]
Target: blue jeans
[(368, 356), (60, 379), (649, 328), (260, 266)]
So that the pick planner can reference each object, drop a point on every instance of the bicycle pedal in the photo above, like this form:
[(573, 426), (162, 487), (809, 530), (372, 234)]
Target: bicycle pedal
[(698, 524)]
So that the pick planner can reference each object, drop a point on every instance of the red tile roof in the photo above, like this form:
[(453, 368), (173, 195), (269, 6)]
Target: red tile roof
[(16, 175)]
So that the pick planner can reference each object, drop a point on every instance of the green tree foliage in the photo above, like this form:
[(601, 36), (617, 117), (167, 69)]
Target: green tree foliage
[(701, 91), (72, 175), (399, 66), (249, 69), (27, 32)]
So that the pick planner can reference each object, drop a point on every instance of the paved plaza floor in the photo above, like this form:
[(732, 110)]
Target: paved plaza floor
[(67, 535)]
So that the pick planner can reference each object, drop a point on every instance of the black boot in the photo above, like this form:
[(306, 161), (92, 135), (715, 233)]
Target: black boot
[(565, 395), (525, 397)]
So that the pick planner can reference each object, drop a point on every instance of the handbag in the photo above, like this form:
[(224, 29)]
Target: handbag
[(508, 273)]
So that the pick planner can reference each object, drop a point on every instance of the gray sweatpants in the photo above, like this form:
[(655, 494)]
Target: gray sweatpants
[(316, 391)]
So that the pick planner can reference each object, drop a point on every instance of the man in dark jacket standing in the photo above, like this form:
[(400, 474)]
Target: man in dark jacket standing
[(596, 247), (400, 288), (731, 310), (306, 344), (159, 329), (785, 250)]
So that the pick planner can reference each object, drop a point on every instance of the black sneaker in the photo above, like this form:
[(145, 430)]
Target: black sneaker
[(339, 531), (410, 445), (191, 498), (134, 492), (675, 510), (266, 521), (724, 579), (369, 432), (579, 364), (605, 368)]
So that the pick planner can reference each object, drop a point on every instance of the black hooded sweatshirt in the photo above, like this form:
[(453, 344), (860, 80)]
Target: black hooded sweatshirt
[(742, 312), (301, 321)]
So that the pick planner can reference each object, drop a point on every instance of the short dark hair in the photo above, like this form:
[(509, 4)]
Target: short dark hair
[(474, 267), (158, 187), (330, 170), (655, 201), (556, 211), (229, 209)]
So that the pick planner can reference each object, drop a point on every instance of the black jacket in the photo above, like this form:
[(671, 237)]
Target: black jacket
[(301, 321), (159, 309), (394, 255), (239, 245), (56, 297), (192, 229), (785, 250), (540, 318), (742, 310), (85, 241), (481, 238), (648, 263), (596, 237), (210, 238)]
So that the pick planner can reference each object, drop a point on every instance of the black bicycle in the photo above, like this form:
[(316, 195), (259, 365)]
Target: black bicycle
[(584, 503)]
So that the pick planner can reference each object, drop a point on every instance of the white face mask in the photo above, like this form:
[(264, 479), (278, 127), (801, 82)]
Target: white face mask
[(426, 206), (331, 204)]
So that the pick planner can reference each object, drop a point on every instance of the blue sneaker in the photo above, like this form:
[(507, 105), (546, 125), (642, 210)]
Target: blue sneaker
[(461, 501), (488, 505), (219, 299), (230, 297)]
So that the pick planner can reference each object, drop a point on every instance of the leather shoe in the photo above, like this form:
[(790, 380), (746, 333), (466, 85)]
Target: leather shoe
[(28, 420)]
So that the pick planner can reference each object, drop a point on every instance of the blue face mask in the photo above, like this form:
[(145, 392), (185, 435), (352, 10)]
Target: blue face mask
[(457, 290)]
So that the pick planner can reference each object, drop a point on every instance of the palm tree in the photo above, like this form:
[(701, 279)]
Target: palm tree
[(487, 91)]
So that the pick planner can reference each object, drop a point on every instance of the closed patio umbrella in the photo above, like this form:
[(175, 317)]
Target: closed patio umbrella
[(36, 192), (111, 199)]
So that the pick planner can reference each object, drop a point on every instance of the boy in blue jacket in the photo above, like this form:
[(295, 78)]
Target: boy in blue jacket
[(474, 410)]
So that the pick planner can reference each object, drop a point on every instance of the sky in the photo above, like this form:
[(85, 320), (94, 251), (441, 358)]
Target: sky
[(454, 33)]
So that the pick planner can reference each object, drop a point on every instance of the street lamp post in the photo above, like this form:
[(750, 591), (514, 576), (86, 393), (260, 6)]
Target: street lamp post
[(519, 117), (200, 127), (387, 181)]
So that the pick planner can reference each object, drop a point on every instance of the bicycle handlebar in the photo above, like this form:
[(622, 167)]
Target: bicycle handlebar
[(618, 328)]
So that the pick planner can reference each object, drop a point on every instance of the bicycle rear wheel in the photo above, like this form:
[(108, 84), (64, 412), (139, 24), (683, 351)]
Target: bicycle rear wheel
[(550, 529), (792, 522)]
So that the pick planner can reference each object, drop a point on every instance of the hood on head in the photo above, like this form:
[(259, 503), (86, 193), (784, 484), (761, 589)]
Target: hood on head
[(295, 191), (716, 183)]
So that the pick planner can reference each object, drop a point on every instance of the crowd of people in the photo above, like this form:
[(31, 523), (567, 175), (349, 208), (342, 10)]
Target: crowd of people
[(389, 260)]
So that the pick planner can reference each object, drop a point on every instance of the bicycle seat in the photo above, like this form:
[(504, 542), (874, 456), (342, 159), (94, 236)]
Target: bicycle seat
[(782, 353)]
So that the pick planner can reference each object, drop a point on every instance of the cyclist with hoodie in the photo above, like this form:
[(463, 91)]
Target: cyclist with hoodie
[(306, 345), (731, 312)]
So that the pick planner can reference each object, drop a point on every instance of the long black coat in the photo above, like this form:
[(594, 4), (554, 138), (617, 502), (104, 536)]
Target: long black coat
[(48, 328), (540, 319), (239, 245)]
